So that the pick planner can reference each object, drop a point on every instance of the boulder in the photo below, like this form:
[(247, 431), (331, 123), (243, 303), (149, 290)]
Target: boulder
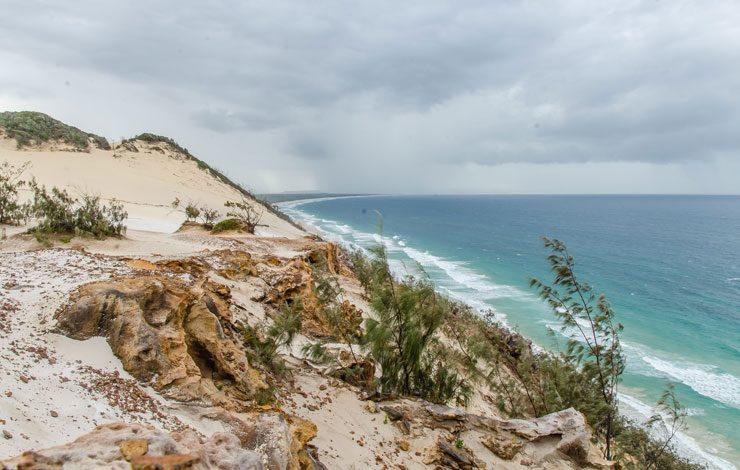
[(99, 449), (283, 442), (166, 334), (102, 449), (504, 446), (506, 438)]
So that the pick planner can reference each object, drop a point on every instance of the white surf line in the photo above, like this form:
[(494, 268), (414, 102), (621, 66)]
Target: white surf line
[(688, 446)]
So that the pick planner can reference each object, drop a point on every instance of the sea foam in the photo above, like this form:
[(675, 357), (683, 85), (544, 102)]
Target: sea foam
[(702, 378), (639, 412), (463, 283)]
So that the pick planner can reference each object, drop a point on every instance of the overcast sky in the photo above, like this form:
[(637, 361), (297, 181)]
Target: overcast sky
[(493, 96)]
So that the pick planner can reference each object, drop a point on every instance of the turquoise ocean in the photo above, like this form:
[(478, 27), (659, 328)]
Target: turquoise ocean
[(670, 266)]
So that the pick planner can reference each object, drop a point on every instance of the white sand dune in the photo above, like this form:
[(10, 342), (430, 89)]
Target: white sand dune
[(146, 182)]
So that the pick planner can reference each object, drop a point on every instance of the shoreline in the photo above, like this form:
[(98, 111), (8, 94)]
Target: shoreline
[(688, 444)]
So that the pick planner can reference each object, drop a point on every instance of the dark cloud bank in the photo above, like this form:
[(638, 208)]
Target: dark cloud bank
[(506, 96)]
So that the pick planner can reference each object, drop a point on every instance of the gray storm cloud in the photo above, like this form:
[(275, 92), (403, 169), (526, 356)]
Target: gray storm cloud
[(377, 96)]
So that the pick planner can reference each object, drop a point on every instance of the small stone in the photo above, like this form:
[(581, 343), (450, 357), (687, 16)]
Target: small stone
[(404, 445), (371, 406), (54, 414), (8, 394), (322, 387), (360, 443), (133, 448), (24, 379), (6, 434)]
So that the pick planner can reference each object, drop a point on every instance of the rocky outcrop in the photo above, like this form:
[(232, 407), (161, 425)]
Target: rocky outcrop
[(109, 447), (506, 438), (263, 441), (175, 337), (281, 440), (332, 256)]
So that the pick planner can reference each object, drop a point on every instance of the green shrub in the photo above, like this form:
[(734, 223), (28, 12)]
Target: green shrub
[(341, 326), (246, 212), (208, 217), (636, 449), (58, 212), (263, 346), (403, 335), (191, 211), (11, 211), (226, 225), (28, 127), (597, 351)]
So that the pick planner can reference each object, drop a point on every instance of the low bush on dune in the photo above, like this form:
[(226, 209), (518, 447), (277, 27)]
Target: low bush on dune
[(28, 127), (246, 212), (193, 212), (404, 334), (56, 210), (226, 225), (59, 212), (11, 210)]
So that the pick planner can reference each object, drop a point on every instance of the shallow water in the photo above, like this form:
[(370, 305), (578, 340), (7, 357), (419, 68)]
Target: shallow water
[(670, 265)]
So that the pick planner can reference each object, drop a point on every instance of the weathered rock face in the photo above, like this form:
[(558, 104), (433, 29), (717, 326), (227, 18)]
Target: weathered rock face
[(281, 441), (168, 334), (107, 447), (333, 256), (506, 438), (290, 281)]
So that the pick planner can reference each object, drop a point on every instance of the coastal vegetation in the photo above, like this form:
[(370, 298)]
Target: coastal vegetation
[(246, 212), (595, 349), (404, 337), (226, 225), (29, 127), (55, 210), (189, 209), (11, 210), (264, 344), (242, 215), (59, 212)]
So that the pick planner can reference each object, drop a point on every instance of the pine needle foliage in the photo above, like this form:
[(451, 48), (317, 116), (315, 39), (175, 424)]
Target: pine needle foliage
[(59, 212), (263, 344), (650, 447), (403, 336), (596, 349), (11, 210), (342, 327)]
